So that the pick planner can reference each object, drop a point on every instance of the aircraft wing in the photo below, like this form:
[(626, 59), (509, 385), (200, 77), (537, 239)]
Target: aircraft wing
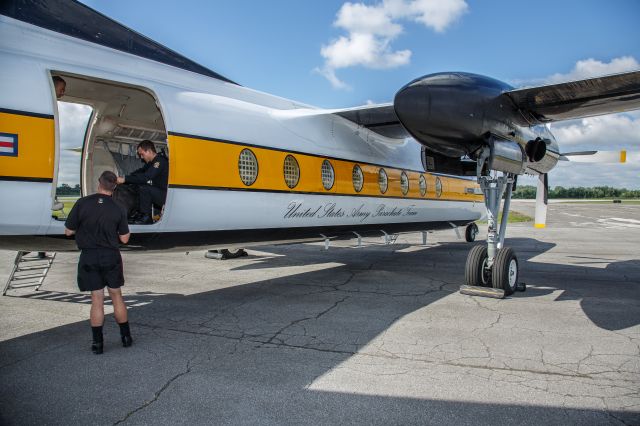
[(577, 99), (379, 118)]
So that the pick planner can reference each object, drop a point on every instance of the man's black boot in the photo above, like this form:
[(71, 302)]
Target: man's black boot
[(136, 216), (97, 345), (144, 220), (125, 334)]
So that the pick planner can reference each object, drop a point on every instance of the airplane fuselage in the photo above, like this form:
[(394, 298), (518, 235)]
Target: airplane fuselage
[(208, 125)]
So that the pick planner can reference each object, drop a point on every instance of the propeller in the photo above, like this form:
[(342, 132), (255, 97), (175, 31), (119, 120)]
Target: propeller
[(542, 193), (601, 157)]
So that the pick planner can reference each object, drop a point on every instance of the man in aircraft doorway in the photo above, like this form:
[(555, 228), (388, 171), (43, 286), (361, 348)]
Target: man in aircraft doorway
[(60, 85), (151, 180)]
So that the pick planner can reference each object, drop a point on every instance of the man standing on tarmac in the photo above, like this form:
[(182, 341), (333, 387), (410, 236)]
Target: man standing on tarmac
[(151, 180), (99, 225)]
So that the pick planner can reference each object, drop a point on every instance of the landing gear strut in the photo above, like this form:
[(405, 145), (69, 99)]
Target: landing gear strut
[(494, 265)]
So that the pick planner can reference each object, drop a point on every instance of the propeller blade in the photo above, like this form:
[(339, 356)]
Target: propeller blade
[(542, 193), (602, 157)]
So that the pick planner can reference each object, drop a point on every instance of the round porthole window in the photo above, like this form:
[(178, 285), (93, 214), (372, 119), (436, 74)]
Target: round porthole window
[(248, 167), (358, 178), (383, 181), (291, 171), (423, 185), (328, 175), (404, 183), (438, 187)]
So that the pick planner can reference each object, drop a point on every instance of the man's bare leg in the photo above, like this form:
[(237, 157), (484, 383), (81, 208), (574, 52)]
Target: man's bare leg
[(96, 318), (120, 312), (119, 308), (96, 315)]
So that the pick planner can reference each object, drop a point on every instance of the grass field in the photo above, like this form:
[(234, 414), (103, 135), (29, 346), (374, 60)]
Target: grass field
[(600, 201), (68, 203), (514, 217)]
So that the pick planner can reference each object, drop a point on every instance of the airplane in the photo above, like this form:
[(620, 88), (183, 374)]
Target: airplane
[(249, 168)]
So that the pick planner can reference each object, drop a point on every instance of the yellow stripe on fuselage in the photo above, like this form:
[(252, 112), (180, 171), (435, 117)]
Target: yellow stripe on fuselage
[(195, 162), (36, 146)]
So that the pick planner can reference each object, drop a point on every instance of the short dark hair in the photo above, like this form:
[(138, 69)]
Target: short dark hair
[(57, 79), (108, 180), (147, 145)]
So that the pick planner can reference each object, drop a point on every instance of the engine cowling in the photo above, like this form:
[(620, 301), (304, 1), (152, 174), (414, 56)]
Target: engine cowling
[(448, 112), (454, 114)]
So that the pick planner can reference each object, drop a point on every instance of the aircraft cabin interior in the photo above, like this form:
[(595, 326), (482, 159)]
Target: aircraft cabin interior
[(122, 116)]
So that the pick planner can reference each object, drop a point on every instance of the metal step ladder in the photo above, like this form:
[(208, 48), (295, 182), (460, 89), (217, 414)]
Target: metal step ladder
[(29, 270)]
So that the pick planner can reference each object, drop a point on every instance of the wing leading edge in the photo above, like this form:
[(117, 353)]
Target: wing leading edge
[(577, 99), (381, 119)]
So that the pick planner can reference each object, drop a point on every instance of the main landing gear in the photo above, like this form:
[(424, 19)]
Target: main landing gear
[(225, 254), (494, 265)]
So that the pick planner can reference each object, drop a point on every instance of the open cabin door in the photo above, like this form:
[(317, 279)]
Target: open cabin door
[(113, 118), (27, 146)]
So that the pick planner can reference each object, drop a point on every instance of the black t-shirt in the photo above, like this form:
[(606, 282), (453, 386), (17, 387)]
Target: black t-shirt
[(98, 221)]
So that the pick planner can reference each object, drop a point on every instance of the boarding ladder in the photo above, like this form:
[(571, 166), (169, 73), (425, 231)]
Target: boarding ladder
[(29, 270)]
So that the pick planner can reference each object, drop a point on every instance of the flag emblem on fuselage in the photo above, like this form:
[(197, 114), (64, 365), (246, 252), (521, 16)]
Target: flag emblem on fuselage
[(9, 144)]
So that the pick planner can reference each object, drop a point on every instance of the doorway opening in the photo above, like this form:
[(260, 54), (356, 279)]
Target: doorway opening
[(121, 117)]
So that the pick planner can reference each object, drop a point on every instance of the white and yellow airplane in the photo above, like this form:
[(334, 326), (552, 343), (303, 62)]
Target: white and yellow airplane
[(249, 168)]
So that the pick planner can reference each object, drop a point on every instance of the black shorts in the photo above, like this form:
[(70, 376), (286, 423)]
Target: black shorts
[(98, 268)]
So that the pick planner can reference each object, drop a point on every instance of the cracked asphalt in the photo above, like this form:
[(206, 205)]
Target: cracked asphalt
[(374, 335)]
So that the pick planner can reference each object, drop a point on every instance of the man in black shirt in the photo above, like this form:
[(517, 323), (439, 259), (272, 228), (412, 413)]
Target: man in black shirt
[(151, 180), (99, 225)]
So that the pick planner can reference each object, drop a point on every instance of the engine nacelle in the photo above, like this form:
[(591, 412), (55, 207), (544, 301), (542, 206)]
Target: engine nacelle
[(449, 112), (454, 114)]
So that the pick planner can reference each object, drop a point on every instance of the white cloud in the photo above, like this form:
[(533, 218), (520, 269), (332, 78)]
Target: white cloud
[(614, 131), (438, 14), (359, 18), (372, 28), (592, 68), (363, 49)]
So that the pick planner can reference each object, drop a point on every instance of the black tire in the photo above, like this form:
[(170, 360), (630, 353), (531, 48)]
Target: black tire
[(232, 254), (225, 254), (475, 272), (504, 272), (471, 232)]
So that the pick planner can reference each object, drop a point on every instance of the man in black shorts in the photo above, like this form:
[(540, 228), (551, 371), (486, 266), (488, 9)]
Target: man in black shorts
[(99, 225)]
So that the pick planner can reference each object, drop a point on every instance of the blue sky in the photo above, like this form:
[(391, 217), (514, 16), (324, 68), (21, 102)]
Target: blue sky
[(371, 49)]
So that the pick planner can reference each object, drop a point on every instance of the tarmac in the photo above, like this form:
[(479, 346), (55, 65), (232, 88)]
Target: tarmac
[(373, 335)]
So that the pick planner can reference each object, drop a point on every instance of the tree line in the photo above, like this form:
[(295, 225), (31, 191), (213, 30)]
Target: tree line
[(529, 191), (66, 189)]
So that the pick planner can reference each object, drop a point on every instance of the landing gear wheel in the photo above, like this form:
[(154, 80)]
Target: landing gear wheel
[(225, 254), (476, 272), (504, 273), (471, 232), (232, 254)]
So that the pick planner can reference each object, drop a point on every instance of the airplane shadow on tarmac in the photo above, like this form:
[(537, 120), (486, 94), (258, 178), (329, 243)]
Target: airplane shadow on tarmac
[(602, 291), (247, 353)]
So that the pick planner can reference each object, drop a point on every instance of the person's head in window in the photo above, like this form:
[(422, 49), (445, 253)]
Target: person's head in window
[(60, 86)]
